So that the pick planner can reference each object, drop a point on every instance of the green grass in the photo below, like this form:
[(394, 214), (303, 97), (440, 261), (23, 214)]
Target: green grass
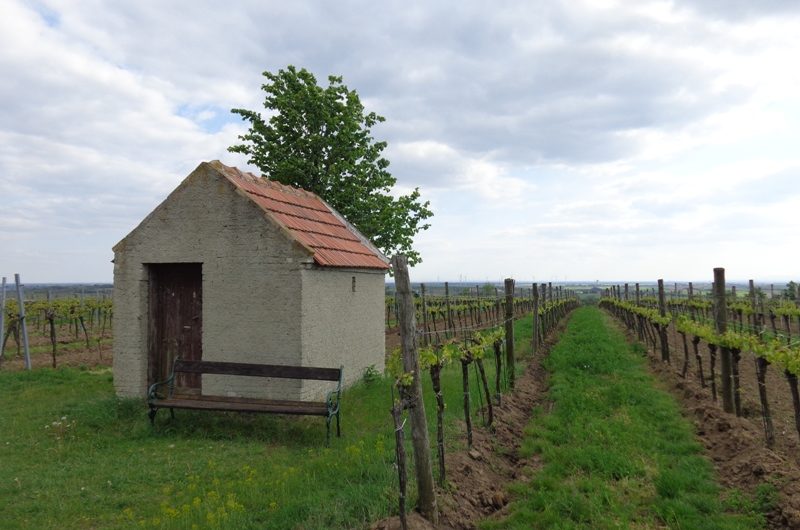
[(103, 466), (616, 452)]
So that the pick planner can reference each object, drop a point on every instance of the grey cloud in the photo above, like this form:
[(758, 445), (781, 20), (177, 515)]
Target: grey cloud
[(739, 9), (465, 77)]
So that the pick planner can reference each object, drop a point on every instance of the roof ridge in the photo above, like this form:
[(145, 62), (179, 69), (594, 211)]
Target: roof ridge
[(308, 219)]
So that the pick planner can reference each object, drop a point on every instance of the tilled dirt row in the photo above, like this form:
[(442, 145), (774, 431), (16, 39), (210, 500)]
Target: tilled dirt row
[(737, 446), (477, 479)]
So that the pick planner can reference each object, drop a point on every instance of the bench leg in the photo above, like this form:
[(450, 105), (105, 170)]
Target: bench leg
[(172, 413), (338, 431), (327, 431), (152, 415)]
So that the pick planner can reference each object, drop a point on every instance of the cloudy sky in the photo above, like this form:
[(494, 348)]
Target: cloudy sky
[(580, 139)]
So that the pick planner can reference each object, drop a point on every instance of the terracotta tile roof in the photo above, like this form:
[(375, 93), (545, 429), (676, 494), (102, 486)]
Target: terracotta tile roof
[(309, 220)]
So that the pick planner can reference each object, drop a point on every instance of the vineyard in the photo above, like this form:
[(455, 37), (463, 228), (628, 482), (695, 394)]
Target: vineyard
[(738, 351), (81, 326), (712, 333), (460, 338), (480, 330), (479, 360)]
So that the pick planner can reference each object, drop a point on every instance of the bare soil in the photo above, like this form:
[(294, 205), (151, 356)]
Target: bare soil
[(477, 478), (66, 355)]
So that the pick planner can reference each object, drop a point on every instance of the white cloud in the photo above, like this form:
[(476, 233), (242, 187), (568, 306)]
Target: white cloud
[(553, 138)]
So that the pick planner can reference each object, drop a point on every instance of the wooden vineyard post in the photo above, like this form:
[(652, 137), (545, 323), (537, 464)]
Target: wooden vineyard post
[(543, 321), (534, 335), (465, 360), (721, 325), (510, 360), (2, 318), (662, 328), (761, 375), (449, 319), (21, 309), (497, 304), (639, 326), (426, 340), (419, 424), (498, 361)]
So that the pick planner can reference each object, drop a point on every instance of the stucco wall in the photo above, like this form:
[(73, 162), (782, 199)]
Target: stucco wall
[(251, 285), (341, 326)]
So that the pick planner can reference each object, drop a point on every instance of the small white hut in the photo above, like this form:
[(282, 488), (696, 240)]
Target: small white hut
[(234, 267)]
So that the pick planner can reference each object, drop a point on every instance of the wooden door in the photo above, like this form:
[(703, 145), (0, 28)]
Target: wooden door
[(175, 320)]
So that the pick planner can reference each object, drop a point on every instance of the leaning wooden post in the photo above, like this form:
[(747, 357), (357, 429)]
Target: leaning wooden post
[(721, 325), (510, 360), (21, 301), (662, 328), (534, 335), (419, 424)]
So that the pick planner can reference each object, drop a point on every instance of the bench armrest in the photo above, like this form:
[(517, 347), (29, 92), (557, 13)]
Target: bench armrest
[(152, 392), (334, 396), (332, 401)]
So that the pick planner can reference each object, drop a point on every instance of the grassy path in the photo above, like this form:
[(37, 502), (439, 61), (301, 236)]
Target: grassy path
[(616, 452)]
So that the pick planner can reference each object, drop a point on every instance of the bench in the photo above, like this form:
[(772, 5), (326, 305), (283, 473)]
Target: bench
[(180, 398)]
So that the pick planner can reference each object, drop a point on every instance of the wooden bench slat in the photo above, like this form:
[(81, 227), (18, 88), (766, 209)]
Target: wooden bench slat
[(191, 399), (257, 370), (279, 407)]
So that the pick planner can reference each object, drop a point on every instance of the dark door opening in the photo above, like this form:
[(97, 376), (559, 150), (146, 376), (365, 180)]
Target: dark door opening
[(175, 320)]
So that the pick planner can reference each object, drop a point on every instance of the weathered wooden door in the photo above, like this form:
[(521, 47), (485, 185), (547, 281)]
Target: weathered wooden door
[(175, 320)]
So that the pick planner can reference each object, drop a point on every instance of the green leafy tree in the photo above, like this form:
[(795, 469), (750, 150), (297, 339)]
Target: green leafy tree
[(320, 139), (488, 289)]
